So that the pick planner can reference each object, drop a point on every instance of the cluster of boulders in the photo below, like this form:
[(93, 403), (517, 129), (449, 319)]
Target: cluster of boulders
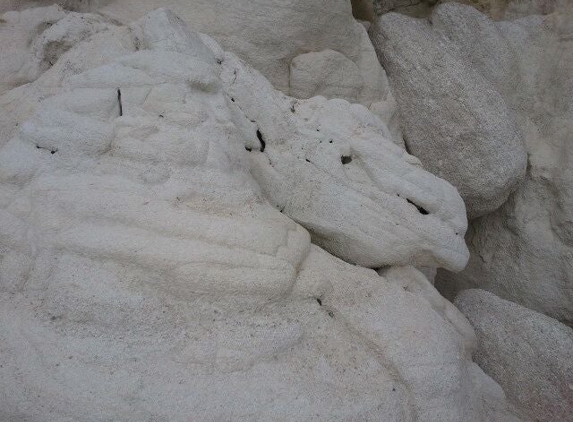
[(231, 210)]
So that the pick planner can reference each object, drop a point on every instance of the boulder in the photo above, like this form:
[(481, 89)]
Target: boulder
[(258, 34), (529, 354), (454, 120), (495, 9), (356, 167), (326, 73), (34, 39), (523, 251)]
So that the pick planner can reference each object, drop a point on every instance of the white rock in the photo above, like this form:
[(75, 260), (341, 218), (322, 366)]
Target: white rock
[(268, 34), (330, 166), (523, 252), (528, 353), (388, 112), (73, 5), (264, 41), (414, 281), (18, 104), (401, 316), (332, 75), (382, 178), (326, 73), (453, 119), (143, 274), (34, 40)]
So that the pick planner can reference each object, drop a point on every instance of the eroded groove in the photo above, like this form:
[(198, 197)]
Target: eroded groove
[(119, 101), (420, 209), (261, 140)]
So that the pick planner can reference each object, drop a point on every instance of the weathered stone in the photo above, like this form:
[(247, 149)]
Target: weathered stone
[(524, 251), (453, 119), (528, 353), (144, 274)]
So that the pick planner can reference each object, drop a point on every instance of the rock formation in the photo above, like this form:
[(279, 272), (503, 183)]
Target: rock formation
[(224, 210), (523, 251), (267, 34), (329, 166), (495, 9), (528, 353), (140, 258), (453, 119)]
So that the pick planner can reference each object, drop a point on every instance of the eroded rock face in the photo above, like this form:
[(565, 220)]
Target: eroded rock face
[(528, 353), (34, 40), (19, 103), (273, 36), (356, 168), (267, 34), (144, 274), (523, 251), (330, 166), (453, 119)]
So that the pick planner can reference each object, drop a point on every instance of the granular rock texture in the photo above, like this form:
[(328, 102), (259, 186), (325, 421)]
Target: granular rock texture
[(454, 120), (528, 353), (523, 252), (245, 224), (148, 273), (268, 34), (330, 166)]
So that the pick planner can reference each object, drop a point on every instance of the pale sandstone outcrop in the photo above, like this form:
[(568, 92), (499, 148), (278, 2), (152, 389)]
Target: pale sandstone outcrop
[(33, 40), (20, 102), (336, 75), (270, 35), (331, 167), (381, 190), (267, 34), (144, 274)]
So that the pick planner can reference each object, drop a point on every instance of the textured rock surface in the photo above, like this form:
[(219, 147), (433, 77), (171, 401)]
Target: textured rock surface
[(330, 166), (495, 9), (521, 8), (381, 190), (273, 32), (144, 274), (524, 251), (32, 41), (380, 208), (453, 119), (19, 103), (326, 73), (528, 353), (268, 34), (409, 7)]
